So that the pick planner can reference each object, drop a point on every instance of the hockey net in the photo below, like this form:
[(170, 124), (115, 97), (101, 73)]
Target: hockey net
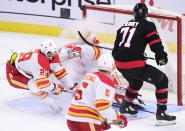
[(104, 20)]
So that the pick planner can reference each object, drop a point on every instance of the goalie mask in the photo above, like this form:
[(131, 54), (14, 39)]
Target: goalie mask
[(106, 62), (140, 10), (49, 48)]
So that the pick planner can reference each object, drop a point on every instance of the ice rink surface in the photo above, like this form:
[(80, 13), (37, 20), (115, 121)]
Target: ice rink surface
[(20, 111)]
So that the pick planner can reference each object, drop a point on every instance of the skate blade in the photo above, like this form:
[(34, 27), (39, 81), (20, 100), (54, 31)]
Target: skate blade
[(165, 123), (129, 115)]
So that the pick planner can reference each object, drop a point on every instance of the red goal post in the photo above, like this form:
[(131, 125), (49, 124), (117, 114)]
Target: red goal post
[(155, 13)]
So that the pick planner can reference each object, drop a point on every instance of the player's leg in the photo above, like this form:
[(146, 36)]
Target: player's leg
[(15, 78), (132, 90), (45, 96), (159, 79)]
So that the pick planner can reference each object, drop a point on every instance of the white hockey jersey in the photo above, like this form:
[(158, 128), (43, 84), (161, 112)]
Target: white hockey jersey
[(37, 66), (85, 63), (93, 100)]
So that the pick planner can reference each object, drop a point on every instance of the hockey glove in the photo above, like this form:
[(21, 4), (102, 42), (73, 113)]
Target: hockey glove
[(74, 51), (105, 125), (57, 89), (161, 58), (121, 121), (13, 58)]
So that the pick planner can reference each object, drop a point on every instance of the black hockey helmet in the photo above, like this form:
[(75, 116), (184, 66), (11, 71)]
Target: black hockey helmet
[(140, 10)]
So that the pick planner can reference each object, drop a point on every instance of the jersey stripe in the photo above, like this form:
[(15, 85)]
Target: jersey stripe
[(131, 91), (97, 53), (83, 111), (43, 82), (102, 104), (130, 64), (162, 100), (91, 125), (161, 91), (152, 33), (60, 74), (19, 84), (154, 42)]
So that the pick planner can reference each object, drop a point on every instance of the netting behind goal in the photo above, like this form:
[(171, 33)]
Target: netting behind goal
[(105, 20)]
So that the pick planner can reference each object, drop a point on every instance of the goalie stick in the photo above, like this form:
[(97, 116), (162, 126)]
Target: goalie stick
[(139, 108), (106, 48)]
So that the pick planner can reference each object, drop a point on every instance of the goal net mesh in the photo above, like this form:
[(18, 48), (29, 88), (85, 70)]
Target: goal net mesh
[(105, 24)]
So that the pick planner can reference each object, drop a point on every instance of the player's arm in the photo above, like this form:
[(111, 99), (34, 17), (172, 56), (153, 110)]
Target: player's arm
[(155, 44), (116, 43), (61, 73), (69, 51), (104, 98)]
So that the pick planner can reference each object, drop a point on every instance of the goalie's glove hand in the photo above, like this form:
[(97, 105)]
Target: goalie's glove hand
[(73, 50), (57, 89), (121, 121), (161, 58), (105, 125)]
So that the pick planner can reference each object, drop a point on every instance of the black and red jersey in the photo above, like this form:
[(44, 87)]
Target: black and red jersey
[(131, 41)]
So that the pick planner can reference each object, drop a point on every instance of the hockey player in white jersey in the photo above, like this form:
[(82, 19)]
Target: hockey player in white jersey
[(31, 71), (80, 58), (91, 108)]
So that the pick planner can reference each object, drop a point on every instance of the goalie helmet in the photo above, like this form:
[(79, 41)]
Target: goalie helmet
[(49, 48), (106, 62), (140, 10)]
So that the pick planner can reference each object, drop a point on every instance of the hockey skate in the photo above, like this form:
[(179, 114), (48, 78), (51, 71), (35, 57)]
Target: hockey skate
[(164, 119), (127, 108)]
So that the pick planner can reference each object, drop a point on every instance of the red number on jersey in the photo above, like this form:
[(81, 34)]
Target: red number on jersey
[(107, 92), (85, 84), (78, 94), (44, 73)]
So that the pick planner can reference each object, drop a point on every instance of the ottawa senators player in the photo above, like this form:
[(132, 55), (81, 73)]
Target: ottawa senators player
[(91, 108), (31, 71), (128, 52)]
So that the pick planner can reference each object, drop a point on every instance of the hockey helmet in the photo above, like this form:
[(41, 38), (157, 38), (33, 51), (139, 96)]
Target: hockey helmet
[(140, 10), (49, 48), (106, 62)]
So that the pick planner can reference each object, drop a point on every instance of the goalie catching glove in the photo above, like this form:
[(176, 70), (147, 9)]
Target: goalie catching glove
[(161, 58), (57, 89), (73, 51)]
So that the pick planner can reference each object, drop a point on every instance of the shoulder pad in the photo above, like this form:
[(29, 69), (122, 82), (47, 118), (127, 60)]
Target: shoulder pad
[(43, 61), (105, 79)]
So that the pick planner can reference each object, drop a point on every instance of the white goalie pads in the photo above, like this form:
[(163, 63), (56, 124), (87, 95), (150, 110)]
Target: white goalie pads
[(64, 53), (119, 95)]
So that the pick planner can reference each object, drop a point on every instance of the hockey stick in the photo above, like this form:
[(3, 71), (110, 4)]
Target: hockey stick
[(146, 57), (89, 43), (141, 108), (106, 48), (147, 111), (68, 91)]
